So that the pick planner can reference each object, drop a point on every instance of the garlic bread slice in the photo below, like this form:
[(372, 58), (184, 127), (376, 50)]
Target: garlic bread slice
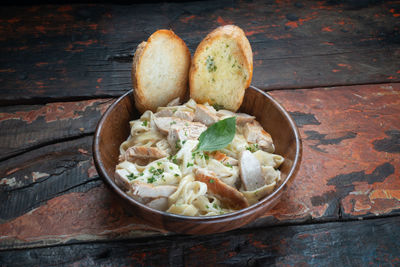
[(222, 68), (160, 70)]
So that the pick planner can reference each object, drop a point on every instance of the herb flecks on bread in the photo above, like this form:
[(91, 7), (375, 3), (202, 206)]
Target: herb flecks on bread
[(160, 70), (222, 68)]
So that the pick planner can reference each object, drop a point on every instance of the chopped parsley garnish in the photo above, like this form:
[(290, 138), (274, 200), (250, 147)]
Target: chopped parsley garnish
[(206, 156), (189, 164), (159, 163), (174, 110), (144, 123), (228, 165), (156, 174), (131, 177), (170, 167), (176, 174), (211, 181), (218, 106), (151, 180), (252, 147), (172, 123), (210, 64), (177, 145), (215, 206)]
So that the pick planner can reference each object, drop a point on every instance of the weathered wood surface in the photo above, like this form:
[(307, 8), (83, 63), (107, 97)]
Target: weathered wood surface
[(24, 128), (350, 169), (85, 51), (357, 243)]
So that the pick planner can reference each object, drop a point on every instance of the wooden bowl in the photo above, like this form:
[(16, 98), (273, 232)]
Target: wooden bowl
[(113, 129)]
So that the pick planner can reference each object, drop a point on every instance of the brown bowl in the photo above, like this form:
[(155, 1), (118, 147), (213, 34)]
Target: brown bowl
[(113, 129)]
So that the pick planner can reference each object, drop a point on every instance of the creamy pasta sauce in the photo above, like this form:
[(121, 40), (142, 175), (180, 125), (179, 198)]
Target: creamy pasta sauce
[(161, 166)]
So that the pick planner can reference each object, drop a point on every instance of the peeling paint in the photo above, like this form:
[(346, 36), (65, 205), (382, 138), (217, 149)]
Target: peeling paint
[(38, 175), (92, 172), (385, 194), (54, 111), (9, 181)]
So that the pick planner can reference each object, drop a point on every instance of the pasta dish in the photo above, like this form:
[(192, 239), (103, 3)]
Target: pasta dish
[(195, 160)]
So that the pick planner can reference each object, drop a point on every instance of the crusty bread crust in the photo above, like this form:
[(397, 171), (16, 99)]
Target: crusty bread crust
[(242, 53), (137, 95), (160, 70)]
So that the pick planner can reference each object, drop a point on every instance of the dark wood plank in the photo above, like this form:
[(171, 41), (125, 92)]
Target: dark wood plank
[(40, 175), (357, 243), (23, 128), (349, 170), (83, 51)]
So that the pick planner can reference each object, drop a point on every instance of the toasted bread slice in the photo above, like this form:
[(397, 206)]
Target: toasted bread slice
[(160, 70), (222, 68)]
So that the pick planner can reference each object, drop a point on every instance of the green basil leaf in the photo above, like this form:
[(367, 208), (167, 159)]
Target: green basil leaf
[(218, 135)]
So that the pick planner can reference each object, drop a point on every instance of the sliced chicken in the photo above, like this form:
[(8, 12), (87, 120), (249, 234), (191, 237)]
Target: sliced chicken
[(190, 132), (241, 118), (158, 204), (120, 178), (174, 102), (250, 171), (163, 145), (224, 159), (143, 152), (205, 114), (255, 134), (144, 190), (228, 195), (255, 195), (174, 112), (164, 124)]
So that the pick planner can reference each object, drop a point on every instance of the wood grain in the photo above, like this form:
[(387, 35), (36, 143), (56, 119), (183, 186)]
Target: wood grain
[(35, 177), (349, 170), (23, 128), (357, 243), (71, 52)]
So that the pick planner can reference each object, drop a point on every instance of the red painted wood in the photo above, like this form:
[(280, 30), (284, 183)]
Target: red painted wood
[(349, 170), (24, 128)]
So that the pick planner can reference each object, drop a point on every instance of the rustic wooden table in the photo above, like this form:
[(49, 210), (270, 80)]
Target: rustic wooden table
[(335, 66)]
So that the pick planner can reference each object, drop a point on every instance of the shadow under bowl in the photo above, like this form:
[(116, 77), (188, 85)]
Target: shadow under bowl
[(114, 128)]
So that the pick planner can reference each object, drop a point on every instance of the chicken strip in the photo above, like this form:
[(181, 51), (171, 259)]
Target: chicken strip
[(164, 124), (250, 171), (241, 118), (190, 132), (229, 195), (143, 152), (205, 114), (173, 112), (144, 190), (224, 159), (255, 134)]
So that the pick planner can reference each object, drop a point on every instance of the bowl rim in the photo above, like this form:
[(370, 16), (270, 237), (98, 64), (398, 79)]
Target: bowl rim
[(204, 219)]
